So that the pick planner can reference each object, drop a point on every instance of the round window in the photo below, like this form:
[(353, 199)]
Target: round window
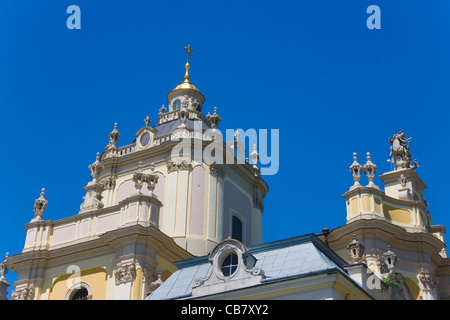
[(229, 264), (145, 139)]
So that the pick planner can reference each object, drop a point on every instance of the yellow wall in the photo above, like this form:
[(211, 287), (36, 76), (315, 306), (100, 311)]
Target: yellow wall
[(94, 277), (365, 203), (377, 205), (354, 206), (137, 285), (397, 214), (413, 288)]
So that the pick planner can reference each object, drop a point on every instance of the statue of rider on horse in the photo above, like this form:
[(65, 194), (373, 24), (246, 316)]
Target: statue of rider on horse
[(400, 154)]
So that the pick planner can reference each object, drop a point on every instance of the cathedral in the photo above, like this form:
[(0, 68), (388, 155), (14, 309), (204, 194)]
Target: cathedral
[(177, 215)]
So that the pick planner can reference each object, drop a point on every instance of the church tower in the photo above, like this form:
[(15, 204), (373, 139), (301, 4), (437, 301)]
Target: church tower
[(390, 231), (173, 193)]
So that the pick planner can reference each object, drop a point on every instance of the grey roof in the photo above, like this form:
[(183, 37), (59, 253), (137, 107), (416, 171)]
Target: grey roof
[(280, 260), (168, 127)]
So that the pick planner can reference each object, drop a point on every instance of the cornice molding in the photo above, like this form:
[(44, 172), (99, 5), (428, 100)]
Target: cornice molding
[(384, 230)]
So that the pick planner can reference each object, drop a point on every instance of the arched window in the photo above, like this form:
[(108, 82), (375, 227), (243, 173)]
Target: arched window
[(236, 228), (176, 105), (81, 294), (79, 291)]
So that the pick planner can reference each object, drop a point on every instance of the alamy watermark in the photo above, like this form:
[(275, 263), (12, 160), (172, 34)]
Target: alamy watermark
[(245, 146)]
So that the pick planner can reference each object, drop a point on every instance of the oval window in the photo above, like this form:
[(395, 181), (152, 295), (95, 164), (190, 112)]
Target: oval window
[(145, 139)]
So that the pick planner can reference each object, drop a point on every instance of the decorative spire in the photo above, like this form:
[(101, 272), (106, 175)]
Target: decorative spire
[(114, 136), (186, 85), (254, 156), (39, 206), (214, 119), (369, 170), (95, 168), (355, 170), (189, 53)]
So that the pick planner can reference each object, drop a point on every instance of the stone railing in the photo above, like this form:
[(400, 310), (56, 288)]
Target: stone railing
[(136, 209), (172, 115), (122, 151)]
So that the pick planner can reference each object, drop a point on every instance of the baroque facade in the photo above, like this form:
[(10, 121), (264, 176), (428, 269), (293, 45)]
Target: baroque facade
[(159, 222), (149, 203), (388, 250)]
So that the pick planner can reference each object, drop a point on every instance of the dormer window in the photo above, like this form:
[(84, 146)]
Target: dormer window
[(176, 105), (231, 262)]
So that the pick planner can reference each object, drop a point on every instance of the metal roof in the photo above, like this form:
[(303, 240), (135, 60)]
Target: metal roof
[(280, 261)]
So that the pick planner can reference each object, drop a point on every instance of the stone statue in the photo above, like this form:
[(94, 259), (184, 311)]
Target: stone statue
[(400, 154)]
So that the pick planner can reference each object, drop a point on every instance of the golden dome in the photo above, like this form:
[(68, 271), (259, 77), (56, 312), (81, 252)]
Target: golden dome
[(186, 85)]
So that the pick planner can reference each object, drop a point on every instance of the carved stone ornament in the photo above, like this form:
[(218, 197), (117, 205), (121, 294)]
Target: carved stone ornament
[(426, 280), (254, 157), (195, 104), (3, 268), (150, 274), (183, 114), (152, 278), (369, 170), (124, 273), (156, 284), (150, 178), (214, 119), (96, 168), (26, 293), (389, 259), (177, 165), (403, 180), (108, 183), (39, 206), (400, 155), (355, 170), (113, 137), (93, 198), (355, 250)]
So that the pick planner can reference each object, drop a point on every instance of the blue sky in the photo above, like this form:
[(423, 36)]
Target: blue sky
[(311, 69)]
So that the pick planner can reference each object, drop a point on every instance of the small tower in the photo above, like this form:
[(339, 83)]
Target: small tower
[(184, 95)]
